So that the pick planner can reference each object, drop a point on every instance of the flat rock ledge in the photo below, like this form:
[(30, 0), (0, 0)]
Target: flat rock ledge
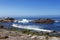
[(43, 21)]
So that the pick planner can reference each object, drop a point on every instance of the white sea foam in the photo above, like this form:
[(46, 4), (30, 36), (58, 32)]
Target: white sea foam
[(15, 20), (24, 21), (57, 21), (30, 28)]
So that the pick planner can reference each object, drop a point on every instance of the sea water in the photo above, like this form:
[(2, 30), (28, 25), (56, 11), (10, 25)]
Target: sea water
[(23, 22)]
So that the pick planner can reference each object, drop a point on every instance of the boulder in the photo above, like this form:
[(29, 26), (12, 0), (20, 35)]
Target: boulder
[(3, 35), (7, 20), (46, 21)]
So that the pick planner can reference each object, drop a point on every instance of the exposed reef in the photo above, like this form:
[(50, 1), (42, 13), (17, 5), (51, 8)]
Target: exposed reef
[(45, 21), (7, 19)]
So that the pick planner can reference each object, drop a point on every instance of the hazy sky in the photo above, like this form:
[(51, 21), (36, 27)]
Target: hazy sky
[(29, 7)]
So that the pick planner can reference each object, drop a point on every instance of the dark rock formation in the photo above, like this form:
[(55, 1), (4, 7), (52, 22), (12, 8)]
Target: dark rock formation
[(46, 21), (7, 20), (1, 27)]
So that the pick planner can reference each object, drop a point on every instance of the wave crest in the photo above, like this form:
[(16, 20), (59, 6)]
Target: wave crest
[(23, 21), (57, 21), (30, 28)]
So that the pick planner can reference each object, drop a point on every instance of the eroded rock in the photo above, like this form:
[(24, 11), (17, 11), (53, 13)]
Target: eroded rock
[(46, 21)]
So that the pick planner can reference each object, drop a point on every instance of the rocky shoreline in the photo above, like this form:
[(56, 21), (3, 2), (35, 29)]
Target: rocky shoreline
[(43, 20), (15, 35), (12, 34), (7, 19)]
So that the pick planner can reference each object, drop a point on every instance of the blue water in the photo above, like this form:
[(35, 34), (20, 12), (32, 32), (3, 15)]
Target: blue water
[(55, 26)]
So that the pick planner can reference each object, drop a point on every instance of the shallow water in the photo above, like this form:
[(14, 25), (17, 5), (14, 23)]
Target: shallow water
[(55, 26), (24, 23)]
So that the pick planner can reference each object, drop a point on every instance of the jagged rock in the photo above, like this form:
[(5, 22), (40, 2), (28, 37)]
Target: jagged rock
[(7, 20), (3, 35), (43, 21), (6, 35), (1, 27)]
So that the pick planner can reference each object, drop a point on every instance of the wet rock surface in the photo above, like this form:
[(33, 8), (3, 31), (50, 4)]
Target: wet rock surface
[(13, 35), (7, 20), (46, 21)]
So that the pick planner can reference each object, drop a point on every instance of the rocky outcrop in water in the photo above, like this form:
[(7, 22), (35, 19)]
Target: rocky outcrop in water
[(7, 20), (46, 21)]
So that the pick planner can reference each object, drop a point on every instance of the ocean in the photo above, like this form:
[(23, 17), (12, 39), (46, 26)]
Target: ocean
[(23, 22), (36, 26)]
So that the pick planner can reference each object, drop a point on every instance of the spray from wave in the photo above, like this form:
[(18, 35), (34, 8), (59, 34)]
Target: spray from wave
[(30, 28), (57, 21), (27, 21), (23, 21)]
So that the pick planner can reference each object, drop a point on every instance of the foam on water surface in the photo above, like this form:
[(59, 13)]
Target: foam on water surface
[(30, 27)]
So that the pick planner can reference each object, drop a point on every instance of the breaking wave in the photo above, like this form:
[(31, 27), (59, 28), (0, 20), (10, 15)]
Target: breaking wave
[(27, 21), (57, 21), (23, 21), (31, 28)]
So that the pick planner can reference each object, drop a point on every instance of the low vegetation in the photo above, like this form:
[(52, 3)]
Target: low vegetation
[(26, 31)]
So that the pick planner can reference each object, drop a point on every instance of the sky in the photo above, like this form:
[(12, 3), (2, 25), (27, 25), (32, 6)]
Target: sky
[(29, 7)]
